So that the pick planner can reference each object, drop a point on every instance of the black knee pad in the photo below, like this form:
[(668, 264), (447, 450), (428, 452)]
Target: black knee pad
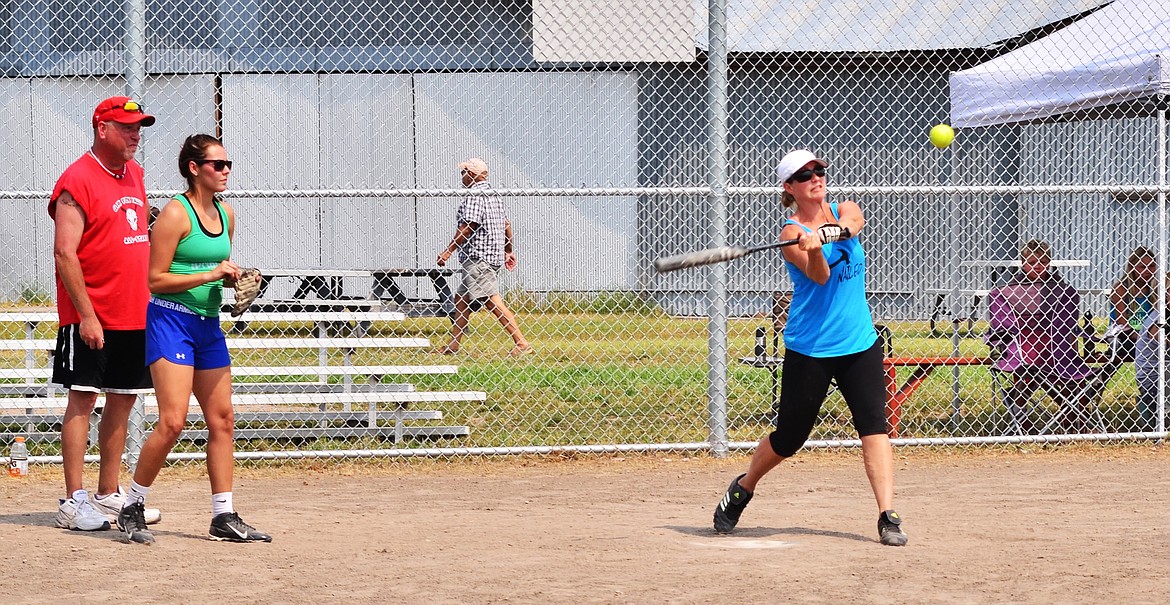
[(784, 443)]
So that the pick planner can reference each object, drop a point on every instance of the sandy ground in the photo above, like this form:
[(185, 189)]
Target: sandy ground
[(1032, 526)]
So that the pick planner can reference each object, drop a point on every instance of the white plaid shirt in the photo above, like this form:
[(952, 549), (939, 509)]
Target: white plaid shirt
[(482, 208)]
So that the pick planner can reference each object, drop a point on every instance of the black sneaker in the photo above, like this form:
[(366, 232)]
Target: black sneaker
[(729, 509), (889, 529), (230, 527), (132, 522)]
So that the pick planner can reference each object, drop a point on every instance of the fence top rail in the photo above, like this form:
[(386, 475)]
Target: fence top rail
[(1132, 189)]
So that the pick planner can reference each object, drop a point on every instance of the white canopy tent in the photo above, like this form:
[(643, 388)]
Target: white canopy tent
[(1117, 55), (1115, 62)]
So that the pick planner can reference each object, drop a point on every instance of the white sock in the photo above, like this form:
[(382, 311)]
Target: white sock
[(136, 494), (221, 503)]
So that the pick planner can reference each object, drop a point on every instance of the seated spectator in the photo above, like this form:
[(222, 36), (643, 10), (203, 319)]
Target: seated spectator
[(1132, 299), (1150, 338), (1034, 335)]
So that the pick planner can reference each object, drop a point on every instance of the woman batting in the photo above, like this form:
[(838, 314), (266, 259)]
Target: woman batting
[(830, 335)]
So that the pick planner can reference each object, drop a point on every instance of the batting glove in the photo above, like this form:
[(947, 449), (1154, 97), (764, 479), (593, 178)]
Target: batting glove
[(833, 232)]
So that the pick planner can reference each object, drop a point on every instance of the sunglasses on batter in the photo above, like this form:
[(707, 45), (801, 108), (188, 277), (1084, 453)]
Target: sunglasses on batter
[(804, 176), (218, 165)]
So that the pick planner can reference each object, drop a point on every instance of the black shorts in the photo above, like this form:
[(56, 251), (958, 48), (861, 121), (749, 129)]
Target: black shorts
[(119, 367), (804, 384)]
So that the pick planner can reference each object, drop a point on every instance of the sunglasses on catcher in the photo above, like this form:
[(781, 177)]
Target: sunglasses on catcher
[(804, 176), (218, 165)]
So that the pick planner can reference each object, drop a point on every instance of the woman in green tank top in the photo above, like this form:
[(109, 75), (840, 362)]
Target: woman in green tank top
[(191, 244)]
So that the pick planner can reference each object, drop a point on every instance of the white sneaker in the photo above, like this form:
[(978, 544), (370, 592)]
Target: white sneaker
[(112, 504), (78, 513)]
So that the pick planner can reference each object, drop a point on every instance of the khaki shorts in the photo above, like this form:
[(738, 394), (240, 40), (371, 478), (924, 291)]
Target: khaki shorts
[(480, 280)]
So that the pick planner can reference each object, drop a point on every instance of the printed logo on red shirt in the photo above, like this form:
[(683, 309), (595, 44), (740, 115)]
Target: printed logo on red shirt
[(130, 206)]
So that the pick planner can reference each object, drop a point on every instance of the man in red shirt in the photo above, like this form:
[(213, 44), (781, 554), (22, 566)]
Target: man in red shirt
[(101, 247)]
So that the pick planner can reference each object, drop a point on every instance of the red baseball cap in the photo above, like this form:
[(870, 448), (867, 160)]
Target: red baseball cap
[(123, 110)]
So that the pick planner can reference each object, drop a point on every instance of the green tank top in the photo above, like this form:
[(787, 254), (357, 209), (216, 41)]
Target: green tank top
[(200, 252)]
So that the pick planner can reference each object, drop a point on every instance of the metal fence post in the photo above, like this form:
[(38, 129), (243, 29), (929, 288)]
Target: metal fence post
[(135, 48), (135, 42), (135, 74), (717, 178), (1160, 414), (136, 432)]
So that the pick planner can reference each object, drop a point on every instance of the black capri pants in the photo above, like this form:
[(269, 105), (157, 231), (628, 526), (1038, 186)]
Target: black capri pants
[(805, 383)]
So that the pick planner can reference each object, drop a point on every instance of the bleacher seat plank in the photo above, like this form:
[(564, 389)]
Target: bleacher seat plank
[(44, 389), (327, 343), (242, 418), (45, 344), (264, 316), (305, 434), (276, 399), (298, 387), (313, 316), (43, 374)]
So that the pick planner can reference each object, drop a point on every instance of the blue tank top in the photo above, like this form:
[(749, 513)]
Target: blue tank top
[(1140, 307), (833, 319)]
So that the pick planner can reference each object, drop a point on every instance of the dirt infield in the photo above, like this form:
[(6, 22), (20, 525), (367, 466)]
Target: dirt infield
[(1065, 526)]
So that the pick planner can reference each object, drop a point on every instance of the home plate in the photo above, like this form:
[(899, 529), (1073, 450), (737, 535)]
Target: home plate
[(745, 544)]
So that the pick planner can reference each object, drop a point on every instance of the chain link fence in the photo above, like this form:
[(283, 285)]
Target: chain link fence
[(617, 132)]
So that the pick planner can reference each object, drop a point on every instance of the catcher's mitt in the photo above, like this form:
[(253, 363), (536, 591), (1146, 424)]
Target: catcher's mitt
[(247, 289)]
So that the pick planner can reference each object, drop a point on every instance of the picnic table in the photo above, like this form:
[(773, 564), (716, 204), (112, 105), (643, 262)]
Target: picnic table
[(896, 396), (386, 288), (324, 290)]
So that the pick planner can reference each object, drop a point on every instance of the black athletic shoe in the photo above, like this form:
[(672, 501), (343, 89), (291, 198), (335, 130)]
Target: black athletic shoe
[(889, 529), (132, 522), (230, 527), (729, 509)]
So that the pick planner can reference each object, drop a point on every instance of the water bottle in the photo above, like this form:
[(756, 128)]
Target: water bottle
[(18, 458), (761, 349)]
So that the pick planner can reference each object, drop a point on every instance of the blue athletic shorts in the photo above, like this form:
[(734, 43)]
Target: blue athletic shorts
[(184, 337)]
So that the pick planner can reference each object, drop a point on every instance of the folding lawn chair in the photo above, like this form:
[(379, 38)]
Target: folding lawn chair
[(1037, 341)]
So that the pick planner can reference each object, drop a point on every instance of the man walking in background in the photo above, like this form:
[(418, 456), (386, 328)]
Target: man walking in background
[(101, 247), (483, 237)]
